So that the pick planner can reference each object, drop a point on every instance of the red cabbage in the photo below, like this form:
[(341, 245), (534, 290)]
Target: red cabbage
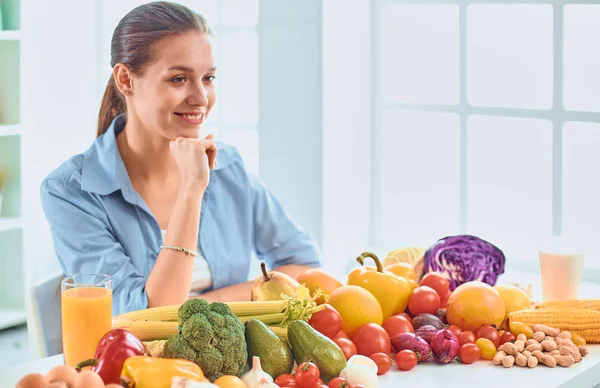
[(464, 258)]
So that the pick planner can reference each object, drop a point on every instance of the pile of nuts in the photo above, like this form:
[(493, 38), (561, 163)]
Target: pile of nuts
[(548, 346)]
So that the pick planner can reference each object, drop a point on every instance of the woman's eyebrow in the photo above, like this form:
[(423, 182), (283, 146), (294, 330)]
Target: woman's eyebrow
[(188, 69)]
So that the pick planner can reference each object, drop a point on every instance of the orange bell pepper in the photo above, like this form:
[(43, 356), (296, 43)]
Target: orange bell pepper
[(391, 291)]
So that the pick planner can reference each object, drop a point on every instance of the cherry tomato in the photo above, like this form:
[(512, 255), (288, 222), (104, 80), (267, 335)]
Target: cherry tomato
[(507, 337), (307, 375), (438, 282), (406, 359), (320, 382), (397, 324), (469, 353), (338, 382), (487, 348), (341, 334), (444, 299), (347, 346), (371, 338), (406, 315), (490, 333), (286, 380), (423, 299), (455, 329), (466, 337), (327, 322), (383, 361), (322, 386)]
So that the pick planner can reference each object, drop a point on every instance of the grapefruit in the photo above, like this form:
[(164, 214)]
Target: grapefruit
[(514, 298), (474, 304), (357, 307)]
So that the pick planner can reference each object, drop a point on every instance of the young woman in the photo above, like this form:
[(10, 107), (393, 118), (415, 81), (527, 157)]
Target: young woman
[(154, 202)]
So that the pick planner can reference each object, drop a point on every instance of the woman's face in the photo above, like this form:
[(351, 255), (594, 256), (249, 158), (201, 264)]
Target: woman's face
[(175, 93)]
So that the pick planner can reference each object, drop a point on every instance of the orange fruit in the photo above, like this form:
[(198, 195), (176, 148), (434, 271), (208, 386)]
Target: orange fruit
[(230, 382), (357, 307), (514, 298), (405, 270), (316, 277), (474, 304)]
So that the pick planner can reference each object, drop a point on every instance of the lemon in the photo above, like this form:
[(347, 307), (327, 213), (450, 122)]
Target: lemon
[(514, 298)]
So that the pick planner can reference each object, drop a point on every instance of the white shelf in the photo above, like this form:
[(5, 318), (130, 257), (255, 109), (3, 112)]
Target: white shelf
[(10, 130), (9, 223), (10, 35), (11, 317)]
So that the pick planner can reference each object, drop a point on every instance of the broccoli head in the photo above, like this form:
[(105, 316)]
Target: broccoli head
[(211, 336)]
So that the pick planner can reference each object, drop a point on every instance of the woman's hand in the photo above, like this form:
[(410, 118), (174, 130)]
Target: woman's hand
[(194, 158)]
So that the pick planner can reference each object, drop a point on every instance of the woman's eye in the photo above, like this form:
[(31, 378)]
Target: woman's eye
[(178, 80), (210, 78)]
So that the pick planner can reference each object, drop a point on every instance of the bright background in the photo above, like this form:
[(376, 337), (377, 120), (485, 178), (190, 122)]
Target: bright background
[(378, 124)]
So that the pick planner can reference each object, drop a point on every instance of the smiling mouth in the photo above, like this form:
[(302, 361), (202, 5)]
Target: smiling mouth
[(196, 118)]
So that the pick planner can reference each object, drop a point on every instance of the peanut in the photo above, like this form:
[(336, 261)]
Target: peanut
[(539, 336), (526, 353), (520, 360), (535, 347), (510, 348), (532, 362), (522, 337), (508, 361), (531, 342), (564, 361), (549, 345), (497, 360), (567, 350), (551, 331), (545, 359), (500, 348), (564, 341), (555, 352), (583, 351), (564, 335), (520, 345)]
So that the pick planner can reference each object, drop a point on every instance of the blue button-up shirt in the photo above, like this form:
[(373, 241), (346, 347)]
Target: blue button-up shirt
[(100, 224)]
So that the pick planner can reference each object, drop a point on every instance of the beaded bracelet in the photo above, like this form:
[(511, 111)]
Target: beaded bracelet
[(179, 249)]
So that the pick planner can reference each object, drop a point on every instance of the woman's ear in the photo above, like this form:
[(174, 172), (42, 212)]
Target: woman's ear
[(123, 79)]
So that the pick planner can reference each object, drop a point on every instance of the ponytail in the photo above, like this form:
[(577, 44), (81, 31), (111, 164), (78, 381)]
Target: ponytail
[(113, 104)]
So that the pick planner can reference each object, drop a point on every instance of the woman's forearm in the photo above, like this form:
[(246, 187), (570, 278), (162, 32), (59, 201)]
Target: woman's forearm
[(170, 280)]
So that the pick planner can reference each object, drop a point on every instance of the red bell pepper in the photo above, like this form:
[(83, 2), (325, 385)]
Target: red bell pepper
[(113, 349)]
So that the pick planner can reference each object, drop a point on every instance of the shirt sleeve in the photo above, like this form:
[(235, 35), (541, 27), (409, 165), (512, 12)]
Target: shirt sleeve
[(84, 244), (278, 239)]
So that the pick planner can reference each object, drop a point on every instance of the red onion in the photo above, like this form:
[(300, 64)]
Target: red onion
[(426, 332), (444, 345), (413, 342)]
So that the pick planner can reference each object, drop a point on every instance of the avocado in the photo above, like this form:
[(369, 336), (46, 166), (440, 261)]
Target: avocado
[(309, 344), (276, 357)]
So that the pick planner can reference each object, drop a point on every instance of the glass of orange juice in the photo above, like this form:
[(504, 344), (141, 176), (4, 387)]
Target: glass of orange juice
[(86, 304)]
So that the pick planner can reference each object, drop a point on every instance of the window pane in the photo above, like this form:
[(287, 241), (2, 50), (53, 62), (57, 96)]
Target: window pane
[(420, 169), (581, 186), (509, 55), (420, 60), (239, 78), (509, 194), (239, 13), (246, 141), (582, 58)]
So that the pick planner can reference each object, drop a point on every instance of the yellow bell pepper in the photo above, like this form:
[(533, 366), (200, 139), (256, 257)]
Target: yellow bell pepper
[(156, 372), (391, 291)]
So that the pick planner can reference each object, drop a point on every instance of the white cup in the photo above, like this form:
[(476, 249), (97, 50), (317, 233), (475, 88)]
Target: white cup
[(561, 268)]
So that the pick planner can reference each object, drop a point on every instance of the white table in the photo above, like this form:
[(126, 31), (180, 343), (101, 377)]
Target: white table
[(585, 374)]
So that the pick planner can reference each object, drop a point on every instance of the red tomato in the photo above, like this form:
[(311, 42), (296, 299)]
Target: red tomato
[(507, 337), (327, 322), (469, 353), (397, 324), (307, 375), (438, 282), (322, 386), (383, 361), (423, 299), (456, 330), (406, 359), (340, 334), (490, 333), (337, 382), (406, 315), (371, 338), (466, 337), (347, 346), (320, 382), (444, 299), (286, 380)]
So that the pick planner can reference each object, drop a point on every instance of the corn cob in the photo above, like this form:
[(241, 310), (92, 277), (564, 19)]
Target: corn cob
[(149, 330), (587, 304), (581, 321), (169, 313)]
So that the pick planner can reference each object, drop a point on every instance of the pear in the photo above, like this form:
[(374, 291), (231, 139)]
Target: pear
[(270, 285)]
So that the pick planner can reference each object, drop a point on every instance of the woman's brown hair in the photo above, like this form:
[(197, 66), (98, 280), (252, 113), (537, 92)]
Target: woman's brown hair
[(132, 43)]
